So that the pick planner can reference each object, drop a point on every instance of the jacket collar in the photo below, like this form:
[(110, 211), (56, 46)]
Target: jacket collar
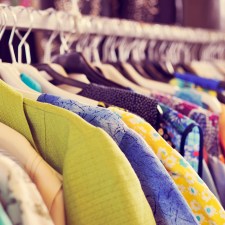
[(12, 111)]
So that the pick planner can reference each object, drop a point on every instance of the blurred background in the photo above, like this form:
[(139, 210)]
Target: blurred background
[(193, 13), (209, 14)]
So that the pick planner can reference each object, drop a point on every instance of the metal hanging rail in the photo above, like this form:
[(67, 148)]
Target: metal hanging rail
[(52, 20), (126, 28), (26, 18)]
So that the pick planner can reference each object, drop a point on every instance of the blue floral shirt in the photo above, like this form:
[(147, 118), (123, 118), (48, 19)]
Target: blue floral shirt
[(186, 135), (167, 203)]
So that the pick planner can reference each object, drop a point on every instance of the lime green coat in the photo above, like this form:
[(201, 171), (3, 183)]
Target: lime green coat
[(100, 187)]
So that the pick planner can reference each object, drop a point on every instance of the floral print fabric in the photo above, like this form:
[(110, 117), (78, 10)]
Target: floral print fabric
[(186, 135), (207, 121), (203, 203), (20, 197), (167, 203)]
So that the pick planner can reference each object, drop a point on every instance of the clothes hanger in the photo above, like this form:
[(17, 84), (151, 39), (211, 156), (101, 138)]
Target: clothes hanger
[(47, 87), (151, 64), (170, 56), (76, 62), (7, 72), (64, 47), (138, 56), (111, 73), (21, 151), (48, 68), (193, 49), (129, 48), (165, 88), (209, 100), (146, 83)]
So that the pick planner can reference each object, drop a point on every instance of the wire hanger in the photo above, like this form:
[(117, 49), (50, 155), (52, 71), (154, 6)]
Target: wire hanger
[(8, 72), (48, 46)]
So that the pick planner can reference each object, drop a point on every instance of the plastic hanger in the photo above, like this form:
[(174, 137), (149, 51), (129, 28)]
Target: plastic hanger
[(111, 73), (206, 69), (138, 56), (9, 74), (143, 82), (211, 101), (57, 77), (64, 47), (77, 62), (51, 69), (149, 84), (47, 87), (139, 67)]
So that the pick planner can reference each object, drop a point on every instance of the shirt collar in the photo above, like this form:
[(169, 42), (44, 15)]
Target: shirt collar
[(12, 111)]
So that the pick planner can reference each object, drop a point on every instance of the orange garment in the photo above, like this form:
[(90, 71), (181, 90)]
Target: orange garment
[(222, 129), (47, 180)]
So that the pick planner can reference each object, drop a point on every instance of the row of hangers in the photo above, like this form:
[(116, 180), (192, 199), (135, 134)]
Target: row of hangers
[(103, 60)]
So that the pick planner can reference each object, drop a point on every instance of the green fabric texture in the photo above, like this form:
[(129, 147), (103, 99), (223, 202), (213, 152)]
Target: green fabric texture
[(100, 187)]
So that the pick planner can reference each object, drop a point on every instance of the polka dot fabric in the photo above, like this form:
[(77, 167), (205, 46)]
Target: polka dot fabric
[(141, 105)]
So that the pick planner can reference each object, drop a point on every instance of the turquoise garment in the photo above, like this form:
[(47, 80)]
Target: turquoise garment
[(30, 82), (4, 219), (188, 95), (166, 201)]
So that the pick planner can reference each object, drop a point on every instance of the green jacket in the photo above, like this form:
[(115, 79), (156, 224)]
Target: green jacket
[(100, 187)]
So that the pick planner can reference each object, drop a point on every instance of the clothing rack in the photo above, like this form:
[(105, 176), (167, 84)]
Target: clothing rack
[(126, 28), (51, 20), (45, 20)]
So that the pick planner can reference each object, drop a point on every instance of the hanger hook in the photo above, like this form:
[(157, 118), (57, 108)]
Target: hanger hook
[(12, 34), (63, 46), (3, 19), (47, 53), (23, 40), (71, 36), (3, 26)]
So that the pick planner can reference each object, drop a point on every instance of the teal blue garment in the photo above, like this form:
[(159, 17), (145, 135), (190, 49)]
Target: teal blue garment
[(4, 219), (188, 95), (30, 82)]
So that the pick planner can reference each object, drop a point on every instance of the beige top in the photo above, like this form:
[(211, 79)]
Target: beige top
[(47, 180)]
